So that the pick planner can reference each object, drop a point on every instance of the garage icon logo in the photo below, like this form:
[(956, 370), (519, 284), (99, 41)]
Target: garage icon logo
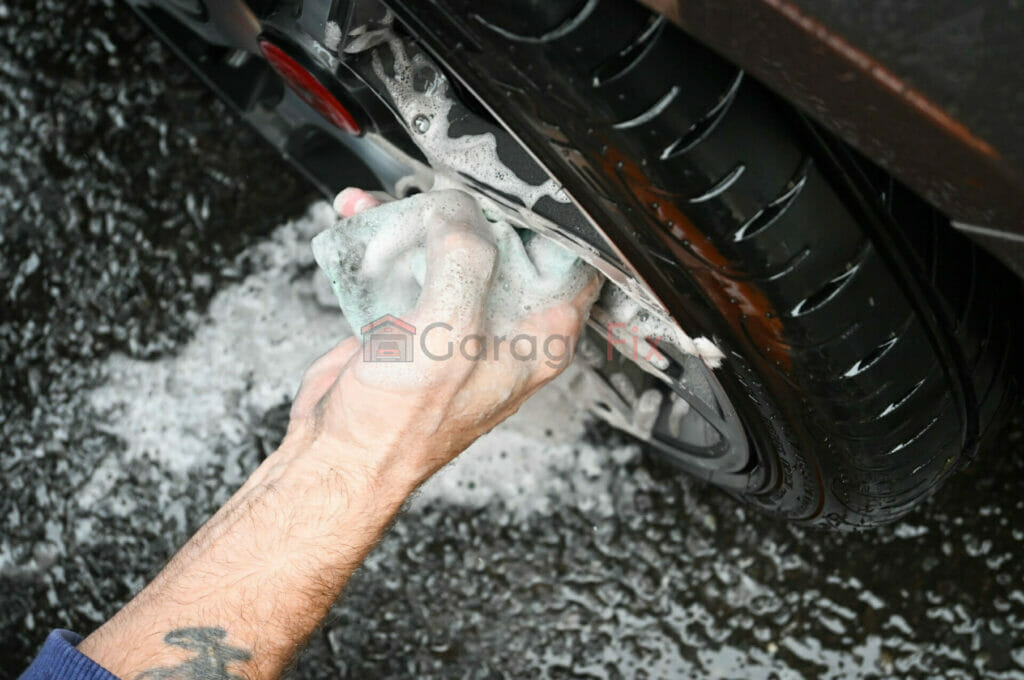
[(387, 339)]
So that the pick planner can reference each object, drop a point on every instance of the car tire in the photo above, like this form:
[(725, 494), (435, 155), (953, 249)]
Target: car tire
[(868, 345)]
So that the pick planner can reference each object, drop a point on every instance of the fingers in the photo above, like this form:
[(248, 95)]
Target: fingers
[(566, 286), (561, 274), (443, 242), (352, 201), (461, 260), (560, 324), (588, 292)]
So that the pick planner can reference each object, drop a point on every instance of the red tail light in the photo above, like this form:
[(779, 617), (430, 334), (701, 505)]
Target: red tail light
[(312, 91)]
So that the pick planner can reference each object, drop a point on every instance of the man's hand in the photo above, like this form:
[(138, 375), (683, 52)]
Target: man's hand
[(242, 596), (476, 366)]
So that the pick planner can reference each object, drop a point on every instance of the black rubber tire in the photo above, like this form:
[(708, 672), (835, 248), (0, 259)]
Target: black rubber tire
[(869, 346)]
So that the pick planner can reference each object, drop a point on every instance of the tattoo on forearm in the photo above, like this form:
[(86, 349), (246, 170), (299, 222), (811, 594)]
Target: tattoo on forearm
[(211, 660)]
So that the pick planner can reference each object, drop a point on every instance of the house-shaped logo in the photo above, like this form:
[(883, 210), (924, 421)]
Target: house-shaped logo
[(387, 339)]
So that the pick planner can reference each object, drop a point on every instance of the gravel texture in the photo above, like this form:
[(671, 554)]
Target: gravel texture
[(158, 307)]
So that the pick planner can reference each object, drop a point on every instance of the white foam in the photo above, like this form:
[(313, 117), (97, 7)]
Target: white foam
[(628, 322), (332, 36), (425, 114), (247, 358)]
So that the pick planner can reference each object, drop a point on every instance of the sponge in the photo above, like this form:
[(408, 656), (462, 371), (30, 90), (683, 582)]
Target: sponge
[(377, 262)]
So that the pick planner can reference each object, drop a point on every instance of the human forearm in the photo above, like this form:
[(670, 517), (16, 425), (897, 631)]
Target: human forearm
[(242, 596), (252, 584)]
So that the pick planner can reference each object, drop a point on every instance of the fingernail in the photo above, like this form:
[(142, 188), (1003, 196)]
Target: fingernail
[(341, 198)]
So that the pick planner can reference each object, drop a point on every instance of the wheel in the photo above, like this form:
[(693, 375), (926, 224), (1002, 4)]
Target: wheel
[(867, 346)]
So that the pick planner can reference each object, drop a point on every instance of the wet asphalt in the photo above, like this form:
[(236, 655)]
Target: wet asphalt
[(129, 198)]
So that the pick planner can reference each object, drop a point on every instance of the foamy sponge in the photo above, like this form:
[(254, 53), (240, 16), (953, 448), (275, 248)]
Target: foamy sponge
[(377, 263)]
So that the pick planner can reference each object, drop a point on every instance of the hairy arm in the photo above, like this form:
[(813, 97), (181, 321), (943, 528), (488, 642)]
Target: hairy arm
[(243, 595)]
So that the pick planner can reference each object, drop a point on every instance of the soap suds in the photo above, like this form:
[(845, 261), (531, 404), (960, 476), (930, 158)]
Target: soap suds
[(332, 36), (362, 38), (425, 113), (628, 322), (248, 357)]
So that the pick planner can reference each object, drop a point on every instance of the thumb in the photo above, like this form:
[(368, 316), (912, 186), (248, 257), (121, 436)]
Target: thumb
[(352, 201)]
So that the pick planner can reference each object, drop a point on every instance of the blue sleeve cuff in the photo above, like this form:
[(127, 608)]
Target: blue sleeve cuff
[(59, 660)]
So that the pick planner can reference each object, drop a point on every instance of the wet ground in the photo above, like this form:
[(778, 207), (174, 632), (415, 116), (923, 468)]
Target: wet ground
[(158, 308)]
